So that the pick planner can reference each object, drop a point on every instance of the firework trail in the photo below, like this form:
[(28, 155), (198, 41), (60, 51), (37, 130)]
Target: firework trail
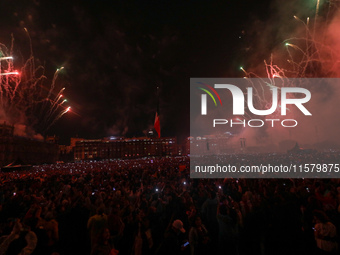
[(54, 81), (59, 116), (305, 56), (55, 106), (23, 98)]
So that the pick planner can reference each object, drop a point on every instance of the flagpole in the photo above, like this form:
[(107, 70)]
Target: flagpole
[(157, 124)]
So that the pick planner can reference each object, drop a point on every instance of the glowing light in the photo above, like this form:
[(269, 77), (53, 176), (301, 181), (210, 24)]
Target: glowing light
[(6, 58), (10, 73), (295, 47)]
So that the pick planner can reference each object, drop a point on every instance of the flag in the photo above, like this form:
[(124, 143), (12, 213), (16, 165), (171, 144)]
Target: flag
[(181, 168), (157, 125)]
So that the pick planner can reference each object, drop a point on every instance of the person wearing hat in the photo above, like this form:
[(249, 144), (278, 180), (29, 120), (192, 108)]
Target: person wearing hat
[(172, 243), (177, 225)]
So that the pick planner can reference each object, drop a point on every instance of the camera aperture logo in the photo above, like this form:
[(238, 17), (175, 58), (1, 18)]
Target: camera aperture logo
[(281, 98)]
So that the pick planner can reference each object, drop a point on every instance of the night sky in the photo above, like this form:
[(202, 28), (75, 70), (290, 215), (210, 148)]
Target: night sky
[(116, 53)]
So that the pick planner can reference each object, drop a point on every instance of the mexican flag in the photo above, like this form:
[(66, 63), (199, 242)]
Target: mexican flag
[(157, 125)]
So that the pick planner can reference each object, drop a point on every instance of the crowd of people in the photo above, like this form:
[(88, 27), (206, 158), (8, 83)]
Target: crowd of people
[(152, 206)]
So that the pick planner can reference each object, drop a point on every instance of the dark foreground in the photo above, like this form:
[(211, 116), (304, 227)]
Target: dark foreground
[(138, 206)]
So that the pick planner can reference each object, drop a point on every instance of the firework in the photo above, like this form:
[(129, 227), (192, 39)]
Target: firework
[(23, 97), (305, 57), (59, 116)]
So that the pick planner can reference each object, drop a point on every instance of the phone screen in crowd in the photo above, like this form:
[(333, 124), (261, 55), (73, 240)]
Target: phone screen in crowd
[(186, 244)]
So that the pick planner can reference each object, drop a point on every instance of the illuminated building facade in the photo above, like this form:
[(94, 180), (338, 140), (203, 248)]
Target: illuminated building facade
[(211, 145), (125, 148)]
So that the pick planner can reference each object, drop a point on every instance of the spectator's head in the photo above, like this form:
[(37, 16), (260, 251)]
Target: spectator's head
[(177, 225), (320, 217), (197, 221), (30, 223), (223, 210), (100, 210), (212, 194), (49, 216)]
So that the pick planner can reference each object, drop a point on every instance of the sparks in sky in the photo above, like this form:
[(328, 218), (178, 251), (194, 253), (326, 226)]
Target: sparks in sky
[(303, 54), (23, 98)]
